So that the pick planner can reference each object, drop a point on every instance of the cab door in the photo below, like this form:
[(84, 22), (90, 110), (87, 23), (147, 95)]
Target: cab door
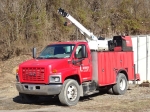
[(83, 63)]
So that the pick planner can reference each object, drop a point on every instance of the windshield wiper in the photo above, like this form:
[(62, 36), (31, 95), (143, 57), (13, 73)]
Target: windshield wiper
[(52, 58), (40, 57), (49, 57)]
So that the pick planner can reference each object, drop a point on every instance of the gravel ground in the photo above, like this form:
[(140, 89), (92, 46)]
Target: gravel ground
[(136, 99)]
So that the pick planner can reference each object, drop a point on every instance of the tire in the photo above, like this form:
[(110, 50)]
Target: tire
[(108, 90), (121, 86), (70, 93), (26, 98)]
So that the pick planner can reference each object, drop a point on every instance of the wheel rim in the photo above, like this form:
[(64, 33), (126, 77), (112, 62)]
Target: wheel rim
[(122, 84), (72, 92)]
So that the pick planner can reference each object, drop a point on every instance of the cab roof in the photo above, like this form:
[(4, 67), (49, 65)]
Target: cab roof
[(69, 42)]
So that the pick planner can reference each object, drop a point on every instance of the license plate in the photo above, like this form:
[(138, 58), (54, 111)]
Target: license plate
[(30, 87)]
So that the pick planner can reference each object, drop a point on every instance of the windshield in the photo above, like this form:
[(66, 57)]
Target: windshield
[(56, 51)]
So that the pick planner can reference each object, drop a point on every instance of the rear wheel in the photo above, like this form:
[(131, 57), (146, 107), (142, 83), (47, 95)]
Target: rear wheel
[(110, 91), (70, 93), (121, 86), (107, 89)]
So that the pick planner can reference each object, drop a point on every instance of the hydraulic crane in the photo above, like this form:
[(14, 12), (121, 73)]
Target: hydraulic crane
[(92, 40)]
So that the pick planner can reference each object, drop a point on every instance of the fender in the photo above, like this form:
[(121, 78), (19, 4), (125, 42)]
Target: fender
[(70, 72), (122, 70)]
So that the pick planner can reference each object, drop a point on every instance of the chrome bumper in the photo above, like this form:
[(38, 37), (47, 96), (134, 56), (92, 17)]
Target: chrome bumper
[(39, 89)]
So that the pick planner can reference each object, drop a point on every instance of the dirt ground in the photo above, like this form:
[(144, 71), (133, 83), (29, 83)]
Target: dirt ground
[(137, 99)]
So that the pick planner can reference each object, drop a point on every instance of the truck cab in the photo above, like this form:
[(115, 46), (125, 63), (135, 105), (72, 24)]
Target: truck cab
[(46, 73)]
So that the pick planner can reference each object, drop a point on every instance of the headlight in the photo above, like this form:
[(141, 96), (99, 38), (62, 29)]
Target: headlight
[(55, 79)]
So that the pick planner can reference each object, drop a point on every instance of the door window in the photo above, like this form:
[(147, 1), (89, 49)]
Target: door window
[(78, 53)]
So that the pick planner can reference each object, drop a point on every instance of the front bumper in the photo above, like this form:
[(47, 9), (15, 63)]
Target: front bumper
[(39, 89)]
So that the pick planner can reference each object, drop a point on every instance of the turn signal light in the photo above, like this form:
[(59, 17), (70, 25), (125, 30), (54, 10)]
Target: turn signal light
[(54, 71), (17, 70)]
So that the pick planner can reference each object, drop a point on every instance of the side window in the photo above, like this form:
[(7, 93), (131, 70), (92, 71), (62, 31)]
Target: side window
[(78, 53)]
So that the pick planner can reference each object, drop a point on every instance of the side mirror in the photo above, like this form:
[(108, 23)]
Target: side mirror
[(84, 52), (34, 52)]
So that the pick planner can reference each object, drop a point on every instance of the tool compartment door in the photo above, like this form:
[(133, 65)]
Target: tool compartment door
[(106, 70), (110, 63)]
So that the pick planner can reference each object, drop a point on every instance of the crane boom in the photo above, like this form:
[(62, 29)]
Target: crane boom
[(82, 29), (93, 42)]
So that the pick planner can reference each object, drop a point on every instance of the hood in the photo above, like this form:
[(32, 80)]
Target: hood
[(45, 63)]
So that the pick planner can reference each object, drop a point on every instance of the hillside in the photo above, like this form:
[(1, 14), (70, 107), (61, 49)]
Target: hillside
[(25, 24)]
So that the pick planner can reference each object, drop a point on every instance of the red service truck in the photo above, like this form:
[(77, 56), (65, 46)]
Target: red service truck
[(71, 70)]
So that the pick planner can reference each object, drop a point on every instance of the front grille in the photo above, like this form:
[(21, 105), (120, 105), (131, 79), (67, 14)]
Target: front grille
[(33, 74)]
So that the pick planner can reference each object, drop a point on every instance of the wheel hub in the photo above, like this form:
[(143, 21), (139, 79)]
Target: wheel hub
[(72, 93), (122, 84)]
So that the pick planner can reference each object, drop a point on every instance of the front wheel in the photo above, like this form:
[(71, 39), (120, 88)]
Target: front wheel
[(121, 86), (70, 93)]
